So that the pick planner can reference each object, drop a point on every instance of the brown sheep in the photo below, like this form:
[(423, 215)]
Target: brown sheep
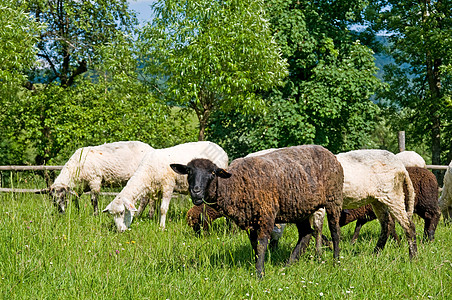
[(201, 217), (425, 205), (284, 186)]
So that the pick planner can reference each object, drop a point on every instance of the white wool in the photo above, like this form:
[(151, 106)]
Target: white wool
[(154, 177), (411, 159), (90, 167), (445, 201), (376, 177), (374, 174)]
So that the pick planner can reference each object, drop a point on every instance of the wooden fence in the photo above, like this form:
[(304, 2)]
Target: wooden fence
[(34, 168), (51, 168)]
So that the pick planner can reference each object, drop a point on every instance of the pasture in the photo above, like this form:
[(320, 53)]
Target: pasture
[(45, 255)]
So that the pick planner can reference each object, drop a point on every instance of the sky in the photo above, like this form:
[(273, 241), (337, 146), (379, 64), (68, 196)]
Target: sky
[(142, 7)]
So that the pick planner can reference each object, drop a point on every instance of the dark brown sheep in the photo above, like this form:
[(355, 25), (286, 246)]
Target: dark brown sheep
[(201, 216), (425, 205), (285, 186)]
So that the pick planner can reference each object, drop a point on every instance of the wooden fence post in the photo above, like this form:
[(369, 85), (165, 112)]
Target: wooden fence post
[(401, 141)]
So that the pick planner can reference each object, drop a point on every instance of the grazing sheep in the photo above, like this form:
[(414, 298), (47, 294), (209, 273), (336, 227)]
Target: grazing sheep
[(411, 159), (377, 177), (445, 201), (425, 205), (91, 167), (202, 217), (284, 186), (155, 178)]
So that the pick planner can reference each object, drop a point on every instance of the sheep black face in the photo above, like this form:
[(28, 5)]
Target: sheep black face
[(201, 173), (58, 195)]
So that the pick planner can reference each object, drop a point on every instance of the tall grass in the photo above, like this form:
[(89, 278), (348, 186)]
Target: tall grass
[(45, 255)]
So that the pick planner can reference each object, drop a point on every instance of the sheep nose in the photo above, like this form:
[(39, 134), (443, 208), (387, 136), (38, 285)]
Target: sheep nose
[(196, 189)]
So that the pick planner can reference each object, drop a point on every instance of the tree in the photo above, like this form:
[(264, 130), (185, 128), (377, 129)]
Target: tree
[(75, 29), (326, 97), (18, 36), (85, 91), (421, 45), (211, 55)]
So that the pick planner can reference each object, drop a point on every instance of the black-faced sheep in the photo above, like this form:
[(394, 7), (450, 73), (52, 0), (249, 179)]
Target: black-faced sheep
[(377, 177), (285, 186), (154, 179), (445, 201), (91, 167), (425, 205), (202, 216)]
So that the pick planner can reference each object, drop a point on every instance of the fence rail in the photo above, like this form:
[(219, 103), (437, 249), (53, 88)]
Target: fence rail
[(29, 168), (44, 168), (436, 167)]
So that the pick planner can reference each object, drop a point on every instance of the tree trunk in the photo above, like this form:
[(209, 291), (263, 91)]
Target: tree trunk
[(202, 130), (434, 84), (436, 147)]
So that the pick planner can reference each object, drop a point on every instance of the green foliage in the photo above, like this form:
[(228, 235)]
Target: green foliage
[(74, 32), (78, 255), (18, 36), (58, 121), (212, 55), (421, 45), (104, 103), (326, 98)]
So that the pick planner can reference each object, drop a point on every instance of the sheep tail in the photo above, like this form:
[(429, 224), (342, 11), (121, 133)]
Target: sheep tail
[(410, 195)]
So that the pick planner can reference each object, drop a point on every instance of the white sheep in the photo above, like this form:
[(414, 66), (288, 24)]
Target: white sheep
[(377, 177), (411, 159), (155, 178), (445, 201), (91, 167)]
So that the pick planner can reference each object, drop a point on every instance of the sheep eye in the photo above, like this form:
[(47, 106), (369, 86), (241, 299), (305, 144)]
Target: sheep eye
[(213, 173)]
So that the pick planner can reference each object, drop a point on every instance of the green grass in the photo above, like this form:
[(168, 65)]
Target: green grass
[(44, 255)]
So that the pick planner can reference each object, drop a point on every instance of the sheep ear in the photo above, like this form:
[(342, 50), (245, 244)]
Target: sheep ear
[(107, 209), (129, 205), (179, 169), (222, 173)]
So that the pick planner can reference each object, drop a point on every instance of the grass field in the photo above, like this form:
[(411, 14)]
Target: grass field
[(44, 255)]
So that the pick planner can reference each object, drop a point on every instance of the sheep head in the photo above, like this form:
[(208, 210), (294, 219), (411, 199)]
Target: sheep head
[(201, 174), (58, 193), (122, 211)]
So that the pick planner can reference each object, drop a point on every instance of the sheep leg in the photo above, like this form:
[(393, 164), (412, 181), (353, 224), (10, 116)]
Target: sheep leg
[(359, 224), (259, 242), (95, 186), (318, 218), (430, 225), (392, 231), (333, 214), (143, 202), (407, 224), (166, 198), (94, 202), (383, 216), (304, 235)]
